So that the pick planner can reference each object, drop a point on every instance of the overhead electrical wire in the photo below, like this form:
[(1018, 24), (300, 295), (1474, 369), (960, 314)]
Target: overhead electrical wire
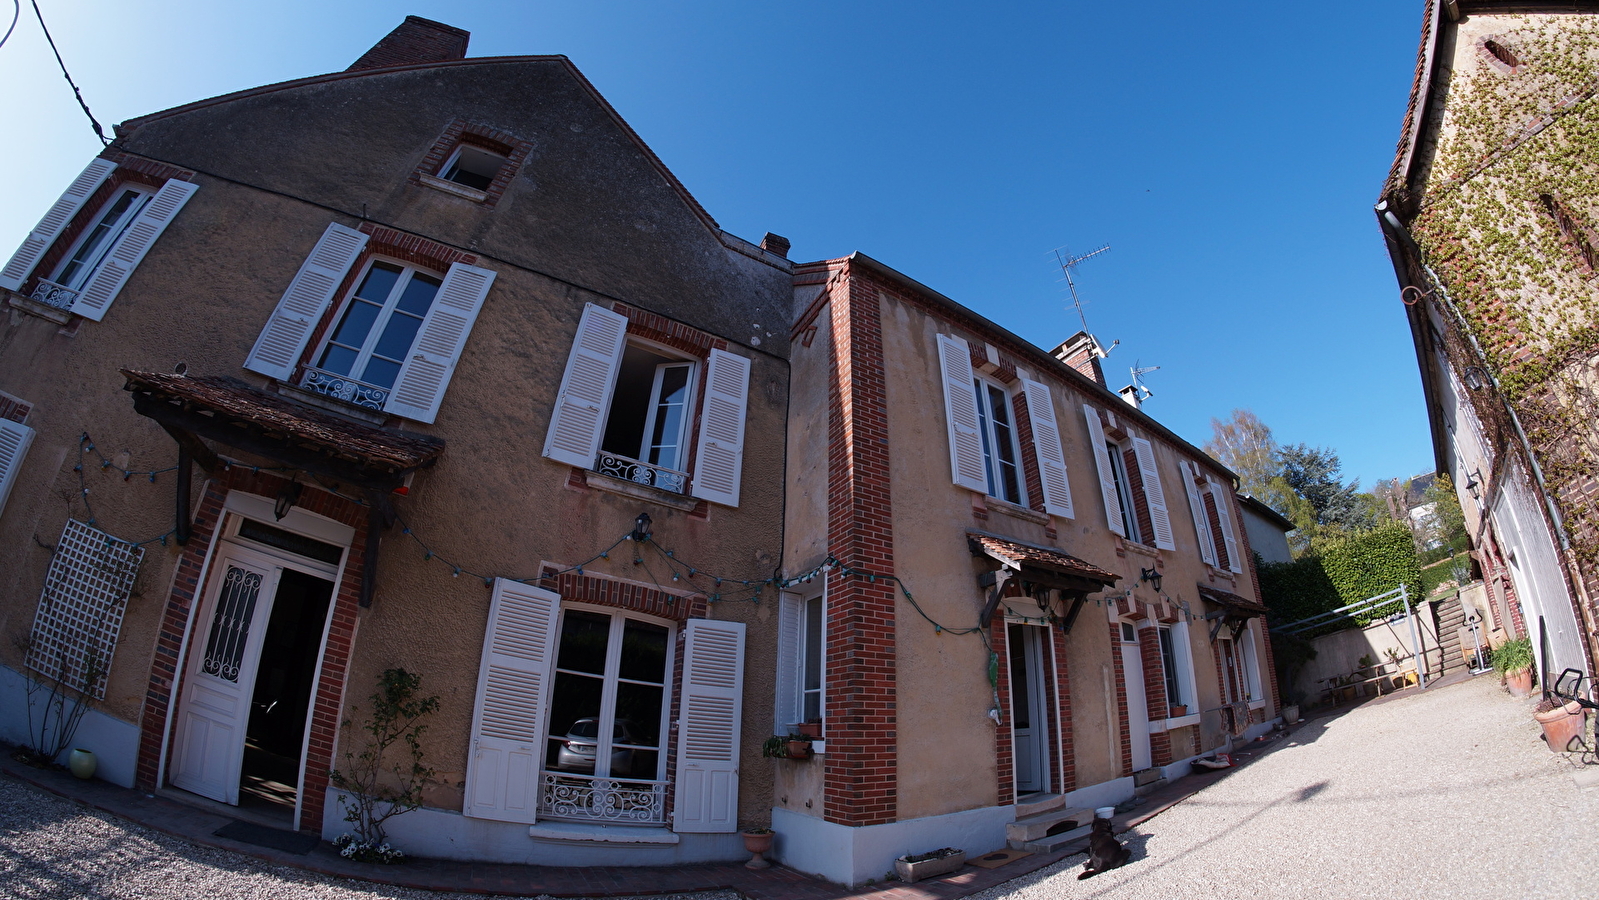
[(98, 131), (16, 13)]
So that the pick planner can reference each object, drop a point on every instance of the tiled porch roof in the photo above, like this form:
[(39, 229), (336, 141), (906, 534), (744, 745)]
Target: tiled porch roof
[(1232, 602), (1018, 554)]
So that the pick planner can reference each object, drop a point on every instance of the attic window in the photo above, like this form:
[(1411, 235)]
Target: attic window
[(1499, 56), (1576, 236), (472, 166)]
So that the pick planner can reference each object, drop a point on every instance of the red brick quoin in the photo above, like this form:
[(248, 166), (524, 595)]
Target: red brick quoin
[(861, 765), (187, 589)]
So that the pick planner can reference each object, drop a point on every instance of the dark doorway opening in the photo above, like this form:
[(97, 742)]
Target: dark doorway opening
[(281, 700)]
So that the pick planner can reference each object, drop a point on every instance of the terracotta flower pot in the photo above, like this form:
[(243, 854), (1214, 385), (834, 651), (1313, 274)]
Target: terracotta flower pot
[(799, 749), (1519, 683), (809, 729), (757, 843), (1562, 727)]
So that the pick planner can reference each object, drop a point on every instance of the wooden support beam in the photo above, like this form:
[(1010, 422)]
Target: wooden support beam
[(375, 525), (1071, 615), (183, 527)]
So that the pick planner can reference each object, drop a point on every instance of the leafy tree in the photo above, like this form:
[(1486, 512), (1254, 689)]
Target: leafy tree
[(1448, 520), (1313, 473), (1244, 444)]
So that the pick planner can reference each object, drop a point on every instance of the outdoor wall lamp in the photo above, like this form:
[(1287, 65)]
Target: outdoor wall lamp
[(641, 528), (1474, 377), (287, 497), (1152, 576), (1474, 484)]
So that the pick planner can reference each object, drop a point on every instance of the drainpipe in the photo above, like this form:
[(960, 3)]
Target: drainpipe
[(1390, 223)]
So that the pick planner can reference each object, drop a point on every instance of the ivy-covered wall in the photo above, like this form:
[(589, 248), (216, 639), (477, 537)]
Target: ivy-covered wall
[(1507, 216)]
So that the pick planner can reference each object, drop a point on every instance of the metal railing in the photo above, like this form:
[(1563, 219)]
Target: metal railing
[(51, 294), (343, 387), (640, 472), (587, 798)]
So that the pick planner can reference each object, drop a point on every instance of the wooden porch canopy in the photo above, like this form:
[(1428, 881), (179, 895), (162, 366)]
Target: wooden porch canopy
[(1036, 565), (195, 409), (1231, 609)]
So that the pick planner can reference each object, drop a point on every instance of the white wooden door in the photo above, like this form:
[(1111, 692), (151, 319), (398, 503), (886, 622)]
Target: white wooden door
[(220, 679), (1137, 703)]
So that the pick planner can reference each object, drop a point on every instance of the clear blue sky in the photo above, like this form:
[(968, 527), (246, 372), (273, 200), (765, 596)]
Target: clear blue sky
[(1229, 153)]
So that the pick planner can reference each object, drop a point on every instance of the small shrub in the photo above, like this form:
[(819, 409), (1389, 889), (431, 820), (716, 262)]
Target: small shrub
[(1513, 656)]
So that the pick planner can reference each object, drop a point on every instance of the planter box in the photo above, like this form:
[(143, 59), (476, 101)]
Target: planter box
[(910, 872)]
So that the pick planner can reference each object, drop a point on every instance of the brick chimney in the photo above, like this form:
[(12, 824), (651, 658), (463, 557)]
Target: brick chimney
[(416, 41), (775, 243), (1082, 353)]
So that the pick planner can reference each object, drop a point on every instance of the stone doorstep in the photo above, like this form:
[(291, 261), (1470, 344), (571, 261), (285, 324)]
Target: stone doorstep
[(1145, 776), (1033, 804), (1149, 787), (1037, 826), (1053, 843)]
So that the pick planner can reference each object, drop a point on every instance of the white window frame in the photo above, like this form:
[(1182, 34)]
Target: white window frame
[(612, 678), (652, 409), (1186, 684), (454, 159), (145, 194), (386, 311), (1124, 489), (982, 390)]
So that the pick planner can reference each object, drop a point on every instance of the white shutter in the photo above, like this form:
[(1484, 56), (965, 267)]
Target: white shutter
[(1156, 497), (578, 422), (14, 440), (424, 376), (790, 631), (277, 350), (960, 414), (1196, 506), (49, 228), (1047, 447), (1221, 493), (1107, 475), (708, 732), (118, 265), (719, 463), (513, 690)]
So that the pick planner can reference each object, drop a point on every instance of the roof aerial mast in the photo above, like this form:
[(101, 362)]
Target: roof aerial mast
[(1067, 264)]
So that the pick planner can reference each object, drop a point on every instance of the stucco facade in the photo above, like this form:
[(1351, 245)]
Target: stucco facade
[(1488, 216), (985, 604), (575, 222)]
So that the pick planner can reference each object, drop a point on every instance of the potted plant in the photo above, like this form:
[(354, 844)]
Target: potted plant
[(1177, 711), (798, 747), (1562, 724), (916, 866), (775, 747), (757, 841), (1513, 661), (811, 729)]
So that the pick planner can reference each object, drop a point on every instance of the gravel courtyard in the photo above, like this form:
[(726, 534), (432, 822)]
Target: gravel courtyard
[(1445, 794)]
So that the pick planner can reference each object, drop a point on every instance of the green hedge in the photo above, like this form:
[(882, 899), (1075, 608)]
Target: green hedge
[(1440, 572), (1340, 572)]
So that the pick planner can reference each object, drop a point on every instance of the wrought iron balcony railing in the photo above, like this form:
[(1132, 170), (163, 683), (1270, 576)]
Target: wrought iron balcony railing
[(585, 798), (51, 294), (641, 472), (343, 387)]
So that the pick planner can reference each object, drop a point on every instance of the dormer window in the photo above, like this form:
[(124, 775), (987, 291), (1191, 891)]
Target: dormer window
[(472, 166)]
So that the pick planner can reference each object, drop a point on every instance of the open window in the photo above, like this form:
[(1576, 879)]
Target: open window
[(393, 342), (95, 244), (1178, 664), (801, 662), (472, 161), (628, 408), (476, 167), (1001, 453)]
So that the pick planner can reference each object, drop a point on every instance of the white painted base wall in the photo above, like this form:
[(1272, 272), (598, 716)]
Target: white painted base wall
[(851, 855), (115, 743), (1106, 793), (446, 834)]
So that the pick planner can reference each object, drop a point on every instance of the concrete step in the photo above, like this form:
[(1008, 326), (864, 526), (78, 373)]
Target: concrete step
[(1033, 804), (1038, 826), (1054, 842)]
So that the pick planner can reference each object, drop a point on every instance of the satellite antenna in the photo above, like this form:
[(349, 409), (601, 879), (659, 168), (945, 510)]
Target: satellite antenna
[(1067, 264), (1144, 393)]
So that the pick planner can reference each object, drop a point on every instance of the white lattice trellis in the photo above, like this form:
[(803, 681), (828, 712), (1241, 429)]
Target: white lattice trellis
[(80, 612)]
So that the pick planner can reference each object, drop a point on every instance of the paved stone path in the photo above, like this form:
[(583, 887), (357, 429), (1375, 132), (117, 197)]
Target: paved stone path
[(1448, 793)]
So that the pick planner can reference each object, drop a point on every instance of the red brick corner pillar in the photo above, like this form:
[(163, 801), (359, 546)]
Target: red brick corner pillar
[(1155, 693), (862, 742)]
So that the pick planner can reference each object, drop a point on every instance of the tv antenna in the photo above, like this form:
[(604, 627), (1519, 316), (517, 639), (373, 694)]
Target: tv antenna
[(1144, 393), (1067, 264)]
